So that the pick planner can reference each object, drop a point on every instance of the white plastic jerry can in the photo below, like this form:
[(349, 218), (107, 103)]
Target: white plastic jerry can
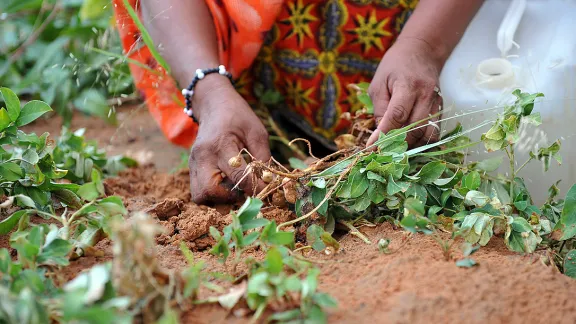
[(520, 44)]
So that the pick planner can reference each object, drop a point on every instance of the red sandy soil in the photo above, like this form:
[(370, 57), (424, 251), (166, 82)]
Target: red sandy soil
[(412, 284)]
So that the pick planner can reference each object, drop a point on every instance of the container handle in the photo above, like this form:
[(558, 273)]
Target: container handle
[(505, 38)]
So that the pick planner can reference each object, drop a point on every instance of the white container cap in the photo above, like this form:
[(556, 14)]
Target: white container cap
[(495, 73)]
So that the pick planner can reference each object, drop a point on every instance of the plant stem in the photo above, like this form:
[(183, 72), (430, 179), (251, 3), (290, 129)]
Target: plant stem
[(302, 248), (354, 231), (258, 313), (510, 153), (80, 210), (523, 165)]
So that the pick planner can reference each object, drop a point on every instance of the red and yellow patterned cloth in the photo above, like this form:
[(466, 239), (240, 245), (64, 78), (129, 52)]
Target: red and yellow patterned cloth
[(308, 50)]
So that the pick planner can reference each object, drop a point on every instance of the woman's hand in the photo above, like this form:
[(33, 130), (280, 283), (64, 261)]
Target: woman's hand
[(227, 125), (405, 90)]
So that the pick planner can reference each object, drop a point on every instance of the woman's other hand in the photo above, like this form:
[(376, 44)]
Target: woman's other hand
[(405, 90), (405, 87)]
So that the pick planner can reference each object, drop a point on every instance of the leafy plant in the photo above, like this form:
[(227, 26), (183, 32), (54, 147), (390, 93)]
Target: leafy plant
[(276, 279), (72, 152), (32, 185), (46, 53), (431, 187)]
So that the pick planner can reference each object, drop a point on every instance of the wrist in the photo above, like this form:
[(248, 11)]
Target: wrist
[(435, 51), (208, 90)]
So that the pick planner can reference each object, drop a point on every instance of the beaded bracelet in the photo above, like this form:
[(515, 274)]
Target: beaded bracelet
[(200, 74)]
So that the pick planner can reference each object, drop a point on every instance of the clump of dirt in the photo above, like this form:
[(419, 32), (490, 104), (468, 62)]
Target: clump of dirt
[(187, 223), (166, 197), (277, 214)]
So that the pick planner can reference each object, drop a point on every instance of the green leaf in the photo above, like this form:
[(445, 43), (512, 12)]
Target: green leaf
[(313, 237), (272, 236), (431, 172), (25, 201), (12, 103), (545, 155), (93, 102), (8, 223), (570, 264), (249, 209), (31, 111), (447, 182), (292, 283), (290, 316), (318, 183), (55, 253), (93, 9), (376, 192), (362, 203), (374, 176), (365, 99), (358, 185), (491, 164), (466, 263), (470, 249), (393, 142), (88, 191), (417, 191), (396, 187), (318, 196), (472, 180), (476, 198), (30, 156), (5, 262), (325, 300), (111, 206), (566, 226), (11, 171), (495, 133), (68, 197), (534, 119), (414, 207), (526, 101), (254, 223), (4, 119), (274, 262)]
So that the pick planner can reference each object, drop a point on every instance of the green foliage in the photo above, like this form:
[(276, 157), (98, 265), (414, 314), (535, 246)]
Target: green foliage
[(72, 152), (280, 274), (422, 191), (570, 264), (46, 53), (506, 129), (566, 225), (31, 171)]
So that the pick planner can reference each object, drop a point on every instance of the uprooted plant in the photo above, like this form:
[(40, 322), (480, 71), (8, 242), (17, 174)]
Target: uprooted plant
[(429, 187)]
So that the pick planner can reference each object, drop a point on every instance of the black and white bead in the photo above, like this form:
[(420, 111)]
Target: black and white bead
[(199, 75)]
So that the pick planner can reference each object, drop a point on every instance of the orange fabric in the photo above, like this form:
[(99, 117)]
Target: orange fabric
[(241, 26), (308, 50)]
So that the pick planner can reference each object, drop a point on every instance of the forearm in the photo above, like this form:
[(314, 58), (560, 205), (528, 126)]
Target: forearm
[(440, 24), (185, 32)]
